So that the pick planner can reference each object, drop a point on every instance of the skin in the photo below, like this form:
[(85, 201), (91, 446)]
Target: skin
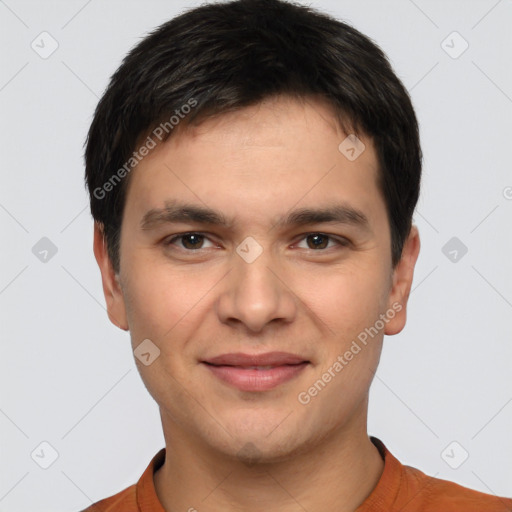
[(232, 450)]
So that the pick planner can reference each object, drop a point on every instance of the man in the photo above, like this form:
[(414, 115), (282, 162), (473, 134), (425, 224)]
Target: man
[(253, 169)]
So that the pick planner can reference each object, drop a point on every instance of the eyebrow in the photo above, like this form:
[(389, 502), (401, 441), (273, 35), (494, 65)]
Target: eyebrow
[(175, 211)]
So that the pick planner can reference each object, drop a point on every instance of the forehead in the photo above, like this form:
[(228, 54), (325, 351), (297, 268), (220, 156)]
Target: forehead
[(259, 161)]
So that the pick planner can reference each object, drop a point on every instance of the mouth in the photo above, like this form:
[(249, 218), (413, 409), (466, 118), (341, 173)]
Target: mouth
[(256, 372)]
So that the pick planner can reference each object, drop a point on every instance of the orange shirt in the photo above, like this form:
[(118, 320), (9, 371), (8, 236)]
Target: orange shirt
[(400, 488)]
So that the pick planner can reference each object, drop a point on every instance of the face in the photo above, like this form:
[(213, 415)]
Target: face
[(252, 277)]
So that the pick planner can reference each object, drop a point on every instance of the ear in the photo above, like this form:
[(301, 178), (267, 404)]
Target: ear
[(111, 289), (402, 281)]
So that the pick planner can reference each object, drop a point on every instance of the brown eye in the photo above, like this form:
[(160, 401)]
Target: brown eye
[(317, 241), (321, 241), (192, 241), (189, 241)]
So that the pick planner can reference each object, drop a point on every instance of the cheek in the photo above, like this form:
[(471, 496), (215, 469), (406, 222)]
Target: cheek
[(349, 308), (157, 310), (157, 298), (348, 298), (166, 306)]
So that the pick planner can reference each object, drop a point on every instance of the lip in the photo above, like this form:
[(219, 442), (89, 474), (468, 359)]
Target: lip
[(267, 359), (235, 369)]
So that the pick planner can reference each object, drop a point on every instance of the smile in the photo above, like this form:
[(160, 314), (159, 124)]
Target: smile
[(256, 378)]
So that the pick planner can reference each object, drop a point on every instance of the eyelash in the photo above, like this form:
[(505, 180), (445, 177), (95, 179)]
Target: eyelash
[(341, 241)]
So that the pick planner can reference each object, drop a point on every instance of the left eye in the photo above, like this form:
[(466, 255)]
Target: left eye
[(320, 241)]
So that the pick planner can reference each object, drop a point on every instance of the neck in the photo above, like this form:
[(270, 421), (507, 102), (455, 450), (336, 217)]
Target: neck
[(337, 474)]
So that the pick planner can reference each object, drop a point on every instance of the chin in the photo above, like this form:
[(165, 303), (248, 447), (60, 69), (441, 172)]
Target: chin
[(262, 451), (261, 445)]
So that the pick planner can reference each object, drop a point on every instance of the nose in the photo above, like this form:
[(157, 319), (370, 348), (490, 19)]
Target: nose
[(256, 294)]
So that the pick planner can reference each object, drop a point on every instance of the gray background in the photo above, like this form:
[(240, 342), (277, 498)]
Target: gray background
[(67, 375)]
